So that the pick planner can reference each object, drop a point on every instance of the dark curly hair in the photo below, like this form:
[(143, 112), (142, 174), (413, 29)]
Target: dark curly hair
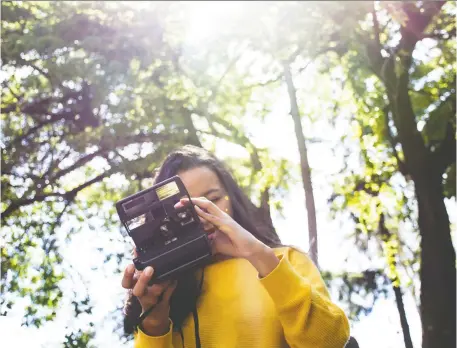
[(184, 298)]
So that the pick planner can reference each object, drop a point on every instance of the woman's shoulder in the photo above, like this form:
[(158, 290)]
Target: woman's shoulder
[(303, 265), (289, 250), (294, 255)]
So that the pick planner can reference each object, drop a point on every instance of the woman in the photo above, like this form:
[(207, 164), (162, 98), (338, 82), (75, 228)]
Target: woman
[(255, 293)]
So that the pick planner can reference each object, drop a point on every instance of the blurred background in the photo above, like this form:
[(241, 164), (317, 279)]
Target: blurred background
[(338, 119)]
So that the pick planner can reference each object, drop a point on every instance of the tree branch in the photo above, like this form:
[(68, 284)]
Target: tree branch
[(79, 163), (68, 196), (393, 143), (392, 257), (227, 70), (377, 32), (418, 21), (54, 165), (17, 96), (40, 107), (24, 202), (397, 85), (264, 84), (445, 155), (105, 144), (40, 70)]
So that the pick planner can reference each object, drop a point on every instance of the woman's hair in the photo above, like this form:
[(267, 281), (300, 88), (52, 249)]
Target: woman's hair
[(184, 298)]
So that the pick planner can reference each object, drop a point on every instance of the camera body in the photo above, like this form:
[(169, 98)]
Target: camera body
[(168, 239)]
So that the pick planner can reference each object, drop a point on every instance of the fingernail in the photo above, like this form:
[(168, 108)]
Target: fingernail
[(130, 269), (148, 271)]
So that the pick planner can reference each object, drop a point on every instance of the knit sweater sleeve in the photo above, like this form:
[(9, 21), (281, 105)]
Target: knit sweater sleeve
[(142, 340), (308, 317)]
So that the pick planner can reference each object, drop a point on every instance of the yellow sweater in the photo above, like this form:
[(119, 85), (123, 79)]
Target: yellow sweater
[(290, 307)]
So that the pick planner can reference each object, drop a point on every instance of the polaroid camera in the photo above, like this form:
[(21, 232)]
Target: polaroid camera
[(168, 239)]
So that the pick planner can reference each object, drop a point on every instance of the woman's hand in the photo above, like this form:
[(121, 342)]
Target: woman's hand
[(158, 295), (232, 239)]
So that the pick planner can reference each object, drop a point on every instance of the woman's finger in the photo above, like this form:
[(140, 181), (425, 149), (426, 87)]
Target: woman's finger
[(127, 280), (141, 285), (204, 203), (185, 201), (222, 225), (169, 291), (157, 289), (179, 205), (214, 220)]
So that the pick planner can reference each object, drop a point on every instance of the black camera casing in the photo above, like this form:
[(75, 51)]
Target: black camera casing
[(168, 239)]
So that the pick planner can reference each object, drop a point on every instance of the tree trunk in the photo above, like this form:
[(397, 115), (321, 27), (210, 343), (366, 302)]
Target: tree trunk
[(438, 269), (403, 319), (438, 272), (304, 165), (265, 206), (391, 256), (192, 136)]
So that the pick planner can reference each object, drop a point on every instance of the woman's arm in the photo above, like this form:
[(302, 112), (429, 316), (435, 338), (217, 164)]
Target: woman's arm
[(308, 317)]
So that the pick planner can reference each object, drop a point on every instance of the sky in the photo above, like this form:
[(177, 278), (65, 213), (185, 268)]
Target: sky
[(381, 329)]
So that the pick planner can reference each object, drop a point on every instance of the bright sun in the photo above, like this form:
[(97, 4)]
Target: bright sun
[(203, 18), (206, 17)]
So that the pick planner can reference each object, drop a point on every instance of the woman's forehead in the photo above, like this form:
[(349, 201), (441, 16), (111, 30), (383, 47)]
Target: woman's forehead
[(200, 181)]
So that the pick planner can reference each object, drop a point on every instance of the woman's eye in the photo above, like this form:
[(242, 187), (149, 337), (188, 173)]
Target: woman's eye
[(214, 200)]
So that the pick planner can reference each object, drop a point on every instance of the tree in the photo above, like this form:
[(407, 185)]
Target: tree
[(409, 116), (58, 115), (304, 166), (84, 107), (282, 47), (406, 123)]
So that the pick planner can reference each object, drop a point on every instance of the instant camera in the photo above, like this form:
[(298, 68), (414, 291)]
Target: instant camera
[(168, 239)]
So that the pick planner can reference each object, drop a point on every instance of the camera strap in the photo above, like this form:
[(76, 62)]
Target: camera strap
[(197, 331), (144, 315), (147, 312), (195, 314)]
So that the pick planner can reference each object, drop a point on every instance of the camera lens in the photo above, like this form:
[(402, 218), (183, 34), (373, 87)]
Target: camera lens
[(182, 215), (165, 231)]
